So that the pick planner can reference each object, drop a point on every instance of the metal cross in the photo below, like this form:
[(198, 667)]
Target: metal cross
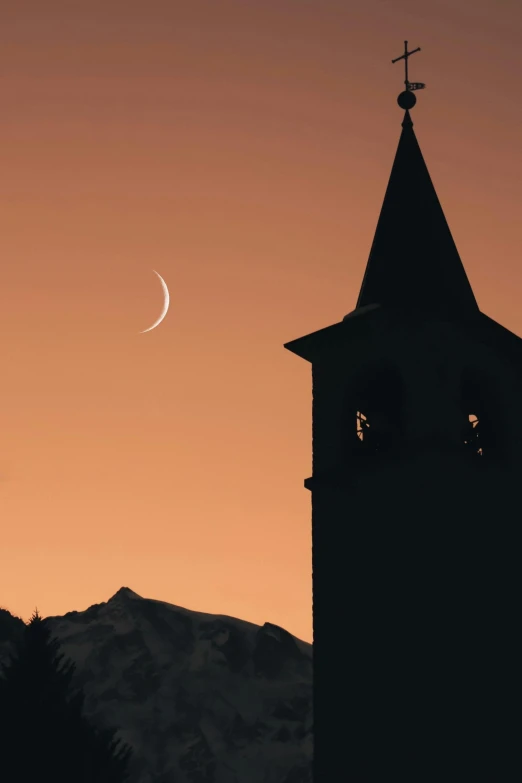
[(405, 58)]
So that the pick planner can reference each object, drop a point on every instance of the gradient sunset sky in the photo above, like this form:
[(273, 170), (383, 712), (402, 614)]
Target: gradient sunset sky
[(242, 149)]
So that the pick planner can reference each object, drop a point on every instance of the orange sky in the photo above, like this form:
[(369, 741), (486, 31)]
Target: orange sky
[(242, 149)]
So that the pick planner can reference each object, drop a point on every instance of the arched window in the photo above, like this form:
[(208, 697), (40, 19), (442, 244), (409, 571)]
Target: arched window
[(362, 426), (378, 411), (471, 434), (480, 432)]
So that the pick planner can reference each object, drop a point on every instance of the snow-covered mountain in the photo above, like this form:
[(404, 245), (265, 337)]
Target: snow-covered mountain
[(201, 698)]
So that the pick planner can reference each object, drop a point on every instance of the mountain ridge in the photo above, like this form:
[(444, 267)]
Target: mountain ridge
[(201, 698)]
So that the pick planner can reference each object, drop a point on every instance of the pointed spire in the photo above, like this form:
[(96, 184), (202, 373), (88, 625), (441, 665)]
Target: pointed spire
[(414, 263)]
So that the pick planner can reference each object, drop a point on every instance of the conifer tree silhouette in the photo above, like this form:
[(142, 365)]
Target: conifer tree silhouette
[(43, 731)]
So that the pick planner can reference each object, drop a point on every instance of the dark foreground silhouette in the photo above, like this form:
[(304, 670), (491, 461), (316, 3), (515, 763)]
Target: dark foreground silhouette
[(44, 734)]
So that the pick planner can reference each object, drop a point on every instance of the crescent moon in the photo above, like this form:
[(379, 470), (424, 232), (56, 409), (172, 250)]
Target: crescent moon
[(166, 302)]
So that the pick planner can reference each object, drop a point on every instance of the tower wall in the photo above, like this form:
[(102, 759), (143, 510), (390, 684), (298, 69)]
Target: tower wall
[(417, 587), (416, 561)]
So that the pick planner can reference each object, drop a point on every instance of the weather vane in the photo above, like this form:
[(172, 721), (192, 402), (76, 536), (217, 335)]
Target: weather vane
[(406, 99)]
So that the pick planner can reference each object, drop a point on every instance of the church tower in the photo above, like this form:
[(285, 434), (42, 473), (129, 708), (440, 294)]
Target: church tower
[(416, 521)]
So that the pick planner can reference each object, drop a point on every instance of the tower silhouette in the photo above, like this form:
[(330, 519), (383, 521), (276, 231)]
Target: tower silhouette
[(417, 458)]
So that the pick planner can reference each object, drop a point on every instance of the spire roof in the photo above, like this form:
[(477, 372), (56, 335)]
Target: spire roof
[(413, 262)]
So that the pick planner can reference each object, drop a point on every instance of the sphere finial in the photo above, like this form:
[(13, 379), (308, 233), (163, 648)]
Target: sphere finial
[(407, 100)]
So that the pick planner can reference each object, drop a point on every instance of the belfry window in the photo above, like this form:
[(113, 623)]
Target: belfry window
[(362, 426), (480, 424), (471, 435), (378, 412)]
